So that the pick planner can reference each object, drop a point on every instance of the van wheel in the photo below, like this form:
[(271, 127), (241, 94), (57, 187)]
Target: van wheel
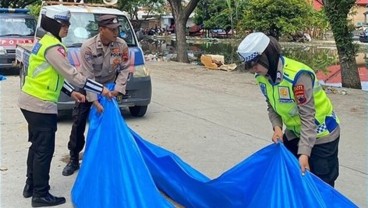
[(138, 111)]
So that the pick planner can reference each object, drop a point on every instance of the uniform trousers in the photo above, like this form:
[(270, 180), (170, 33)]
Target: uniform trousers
[(41, 134), (77, 139), (323, 161)]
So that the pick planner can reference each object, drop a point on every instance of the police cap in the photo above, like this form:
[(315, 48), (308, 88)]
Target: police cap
[(110, 21)]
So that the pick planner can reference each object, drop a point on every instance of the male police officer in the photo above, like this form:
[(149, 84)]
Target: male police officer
[(104, 58), (295, 99)]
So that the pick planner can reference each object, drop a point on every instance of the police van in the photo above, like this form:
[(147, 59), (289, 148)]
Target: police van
[(16, 27), (84, 26)]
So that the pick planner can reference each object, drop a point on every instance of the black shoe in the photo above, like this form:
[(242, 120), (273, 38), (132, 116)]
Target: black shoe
[(27, 191), (70, 168), (46, 201)]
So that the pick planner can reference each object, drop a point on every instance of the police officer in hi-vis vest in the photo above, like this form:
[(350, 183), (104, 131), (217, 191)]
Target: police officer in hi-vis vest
[(48, 67), (104, 58), (297, 102)]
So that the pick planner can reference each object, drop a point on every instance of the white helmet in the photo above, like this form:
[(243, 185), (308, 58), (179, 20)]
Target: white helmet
[(253, 46), (59, 13)]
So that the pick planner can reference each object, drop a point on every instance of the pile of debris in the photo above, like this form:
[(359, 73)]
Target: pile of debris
[(216, 62)]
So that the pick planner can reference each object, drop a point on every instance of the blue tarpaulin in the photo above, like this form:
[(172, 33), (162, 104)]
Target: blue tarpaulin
[(113, 173), (270, 177), (119, 168), (2, 77)]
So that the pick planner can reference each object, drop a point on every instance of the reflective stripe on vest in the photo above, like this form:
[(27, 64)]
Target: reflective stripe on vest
[(283, 101), (42, 80), (40, 69)]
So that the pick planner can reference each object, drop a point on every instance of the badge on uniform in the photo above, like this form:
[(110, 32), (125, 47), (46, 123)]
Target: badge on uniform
[(284, 94), (115, 59), (115, 51), (299, 93)]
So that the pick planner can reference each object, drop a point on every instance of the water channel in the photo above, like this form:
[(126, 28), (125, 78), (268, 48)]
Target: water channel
[(318, 55)]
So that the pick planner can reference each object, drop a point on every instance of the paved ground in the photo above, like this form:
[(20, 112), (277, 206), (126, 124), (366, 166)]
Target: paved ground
[(211, 119)]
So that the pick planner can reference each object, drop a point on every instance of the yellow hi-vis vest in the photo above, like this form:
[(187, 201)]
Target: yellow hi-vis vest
[(282, 99), (42, 80)]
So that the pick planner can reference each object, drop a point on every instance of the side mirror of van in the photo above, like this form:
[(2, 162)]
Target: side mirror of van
[(40, 32)]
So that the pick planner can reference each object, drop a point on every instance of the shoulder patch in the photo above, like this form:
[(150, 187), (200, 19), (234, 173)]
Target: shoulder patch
[(299, 93), (62, 51)]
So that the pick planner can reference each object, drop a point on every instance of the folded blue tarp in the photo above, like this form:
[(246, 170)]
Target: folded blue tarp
[(119, 165)]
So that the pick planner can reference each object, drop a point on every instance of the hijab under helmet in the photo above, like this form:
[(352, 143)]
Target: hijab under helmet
[(263, 49), (53, 17)]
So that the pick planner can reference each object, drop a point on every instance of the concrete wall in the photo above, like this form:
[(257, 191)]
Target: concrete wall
[(358, 15)]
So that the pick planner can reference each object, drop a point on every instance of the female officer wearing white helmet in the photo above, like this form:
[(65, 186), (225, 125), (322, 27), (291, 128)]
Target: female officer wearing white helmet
[(295, 99), (48, 66)]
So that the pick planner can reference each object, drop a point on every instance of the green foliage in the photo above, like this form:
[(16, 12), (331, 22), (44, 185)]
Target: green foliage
[(276, 17), (317, 59), (218, 13), (132, 6), (34, 9), (318, 24), (17, 3)]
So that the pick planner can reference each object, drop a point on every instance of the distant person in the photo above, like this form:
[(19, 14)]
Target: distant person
[(297, 101), (48, 66), (140, 34), (104, 58)]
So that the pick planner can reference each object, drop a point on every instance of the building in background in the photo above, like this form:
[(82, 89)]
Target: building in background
[(358, 14)]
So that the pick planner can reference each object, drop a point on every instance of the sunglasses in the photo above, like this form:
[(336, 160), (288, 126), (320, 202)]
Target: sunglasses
[(250, 64), (65, 25)]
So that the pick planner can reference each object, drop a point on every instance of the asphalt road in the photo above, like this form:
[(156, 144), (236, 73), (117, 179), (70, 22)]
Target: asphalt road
[(211, 119)]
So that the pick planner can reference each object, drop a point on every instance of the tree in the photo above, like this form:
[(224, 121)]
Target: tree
[(337, 13), (276, 17), (181, 14), (133, 6), (218, 13), (16, 3)]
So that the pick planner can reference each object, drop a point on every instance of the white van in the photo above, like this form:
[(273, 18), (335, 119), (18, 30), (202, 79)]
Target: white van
[(84, 26)]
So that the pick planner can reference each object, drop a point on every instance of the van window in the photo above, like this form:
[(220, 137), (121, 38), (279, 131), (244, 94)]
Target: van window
[(17, 26), (84, 26)]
